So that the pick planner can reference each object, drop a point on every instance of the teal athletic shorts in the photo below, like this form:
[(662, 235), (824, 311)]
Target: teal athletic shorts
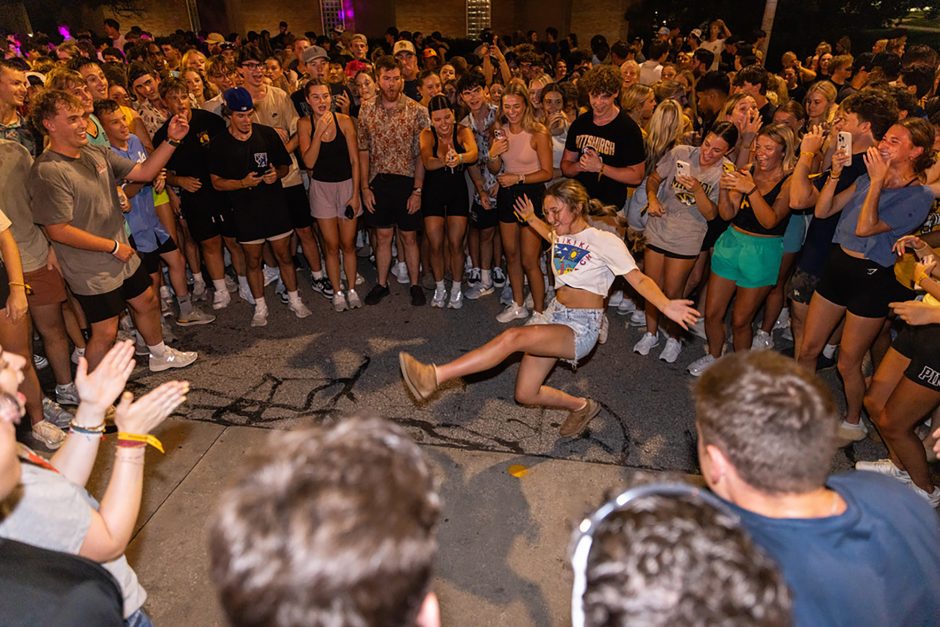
[(748, 260)]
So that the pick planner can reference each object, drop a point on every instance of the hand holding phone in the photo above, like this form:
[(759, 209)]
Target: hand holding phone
[(844, 143), (683, 168)]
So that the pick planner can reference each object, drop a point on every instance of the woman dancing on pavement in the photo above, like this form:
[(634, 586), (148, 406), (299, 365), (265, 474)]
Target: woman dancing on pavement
[(585, 262)]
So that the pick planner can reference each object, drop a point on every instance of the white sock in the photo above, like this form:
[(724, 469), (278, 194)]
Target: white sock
[(260, 305), (186, 305), (440, 285), (830, 350), (294, 296), (317, 274), (198, 280), (157, 350), (219, 285), (485, 277), (242, 282)]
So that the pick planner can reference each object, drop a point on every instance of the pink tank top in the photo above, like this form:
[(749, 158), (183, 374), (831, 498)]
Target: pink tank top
[(521, 158)]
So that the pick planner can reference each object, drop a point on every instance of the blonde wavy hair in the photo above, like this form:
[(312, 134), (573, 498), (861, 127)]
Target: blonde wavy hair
[(517, 88)]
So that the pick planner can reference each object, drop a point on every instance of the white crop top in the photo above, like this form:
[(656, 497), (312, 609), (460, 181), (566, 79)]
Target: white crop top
[(590, 260)]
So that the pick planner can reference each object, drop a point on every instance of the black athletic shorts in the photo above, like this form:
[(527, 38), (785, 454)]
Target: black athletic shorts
[(151, 260), (100, 307), (801, 286), (298, 206), (506, 200), (667, 253), (715, 229), (921, 344), (860, 285), (391, 192), (441, 200), (481, 218), (206, 222)]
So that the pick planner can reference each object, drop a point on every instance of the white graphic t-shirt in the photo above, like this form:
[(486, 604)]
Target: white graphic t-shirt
[(590, 260)]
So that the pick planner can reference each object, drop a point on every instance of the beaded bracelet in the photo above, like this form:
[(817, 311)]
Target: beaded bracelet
[(96, 430)]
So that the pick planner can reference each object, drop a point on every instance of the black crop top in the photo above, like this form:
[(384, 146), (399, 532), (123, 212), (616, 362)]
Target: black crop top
[(747, 221), (332, 164)]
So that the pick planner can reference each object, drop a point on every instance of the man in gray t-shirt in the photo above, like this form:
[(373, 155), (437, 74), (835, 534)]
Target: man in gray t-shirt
[(73, 190)]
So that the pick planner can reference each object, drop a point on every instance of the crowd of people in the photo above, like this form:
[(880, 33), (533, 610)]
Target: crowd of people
[(686, 183)]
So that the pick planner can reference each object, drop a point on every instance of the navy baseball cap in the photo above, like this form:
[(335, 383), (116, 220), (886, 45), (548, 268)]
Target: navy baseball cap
[(238, 99)]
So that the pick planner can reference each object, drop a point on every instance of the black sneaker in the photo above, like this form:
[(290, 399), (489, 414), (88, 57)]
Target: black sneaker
[(418, 299), (377, 294), (499, 277), (322, 285)]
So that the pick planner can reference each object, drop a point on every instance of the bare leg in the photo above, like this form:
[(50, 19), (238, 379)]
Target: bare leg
[(238, 255), (330, 232), (347, 238), (776, 298), (821, 318), (102, 338), (531, 390), (412, 255), (145, 309), (285, 261), (746, 304), (253, 254), (456, 230), (907, 406), (531, 251), (509, 235), (212, 254), (856, 340), (51, 326), (308, 244), (434, 240), (383, 254), (542, 340), (720, 292)]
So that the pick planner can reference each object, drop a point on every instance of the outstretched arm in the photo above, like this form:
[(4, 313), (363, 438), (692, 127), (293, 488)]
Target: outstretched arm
[(679, 311)]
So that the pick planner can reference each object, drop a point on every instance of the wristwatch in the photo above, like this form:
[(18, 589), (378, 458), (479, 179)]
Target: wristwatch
[(416, 190), (173, 142)]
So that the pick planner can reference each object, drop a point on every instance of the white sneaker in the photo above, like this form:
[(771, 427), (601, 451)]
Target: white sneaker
[(66, 394), (221, 299), (456, 297), (50, 435), (646, 343), (505, 296), (626, 307), (439, 298), (637, 318), (339, 302), (479, 289), (604, 330), (77, 353), (400, 271), (360, 279), (231, 286), (297, 306), (512, 312), (932, 497), (762, 341), (199, 291), (783, 320), (700, 365), (244, 293), (885, 467), (352, 298), (537, 317), (671, 351), (195, 317), (848, 432), (615, 299), (172, 358), (699, 328), (499, 277), (260, 318), (529, 301), (270, 275)]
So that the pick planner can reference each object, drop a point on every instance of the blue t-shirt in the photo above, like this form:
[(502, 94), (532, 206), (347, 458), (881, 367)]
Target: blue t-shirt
[(876, 564), (142, 219), (903, 209)]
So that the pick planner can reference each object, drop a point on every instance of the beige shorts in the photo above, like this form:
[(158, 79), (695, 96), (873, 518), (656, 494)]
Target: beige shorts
[(328, 200)]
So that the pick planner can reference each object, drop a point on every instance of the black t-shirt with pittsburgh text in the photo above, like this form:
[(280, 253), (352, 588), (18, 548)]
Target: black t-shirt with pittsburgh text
[(234, 159), (619, 143)]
